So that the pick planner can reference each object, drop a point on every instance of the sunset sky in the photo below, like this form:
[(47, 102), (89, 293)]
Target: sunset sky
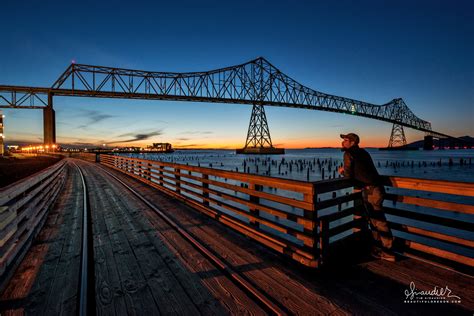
[(374, 51)]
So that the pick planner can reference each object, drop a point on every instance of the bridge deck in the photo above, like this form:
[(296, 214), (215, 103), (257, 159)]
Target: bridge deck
[(142, 265)]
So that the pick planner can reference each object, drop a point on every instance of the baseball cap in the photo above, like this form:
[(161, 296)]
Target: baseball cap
[(351, 136)]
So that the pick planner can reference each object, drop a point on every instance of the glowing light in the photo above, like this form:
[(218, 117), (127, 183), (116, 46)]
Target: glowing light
[(73, 61)]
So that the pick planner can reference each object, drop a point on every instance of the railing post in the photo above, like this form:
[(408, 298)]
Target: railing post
[(315, 220), (323, 241), (141, 170), (178, 182), (205, 186), (358, 214), (149, 172), (160, 177), (254, 199)]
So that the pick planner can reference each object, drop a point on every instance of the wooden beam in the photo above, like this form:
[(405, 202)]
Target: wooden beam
[(440, 186)]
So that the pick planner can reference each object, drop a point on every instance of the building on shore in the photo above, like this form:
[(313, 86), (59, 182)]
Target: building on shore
[(160, 147)]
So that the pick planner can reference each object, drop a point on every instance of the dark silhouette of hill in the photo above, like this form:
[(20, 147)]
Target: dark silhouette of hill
[(419, 143)]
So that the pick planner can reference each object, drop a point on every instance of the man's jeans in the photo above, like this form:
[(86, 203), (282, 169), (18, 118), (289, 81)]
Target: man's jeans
[(373, 199)]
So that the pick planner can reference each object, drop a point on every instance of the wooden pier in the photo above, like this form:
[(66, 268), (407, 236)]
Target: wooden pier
[(176, 239)]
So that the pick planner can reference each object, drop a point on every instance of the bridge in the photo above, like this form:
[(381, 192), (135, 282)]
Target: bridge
[(257, 83)]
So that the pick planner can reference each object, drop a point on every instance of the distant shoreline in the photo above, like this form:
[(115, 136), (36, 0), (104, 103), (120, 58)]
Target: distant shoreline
[(285, 148)]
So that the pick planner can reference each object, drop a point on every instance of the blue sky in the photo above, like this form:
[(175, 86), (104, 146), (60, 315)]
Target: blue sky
[(372, 51)]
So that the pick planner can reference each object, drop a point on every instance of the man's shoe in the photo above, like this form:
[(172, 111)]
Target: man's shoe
[(383, 254)]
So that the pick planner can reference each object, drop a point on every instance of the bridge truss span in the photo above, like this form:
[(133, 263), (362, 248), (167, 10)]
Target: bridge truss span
[(16, 97), (254, 82)]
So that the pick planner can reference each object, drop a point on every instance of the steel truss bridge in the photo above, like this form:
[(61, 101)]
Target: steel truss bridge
[(256, 82)]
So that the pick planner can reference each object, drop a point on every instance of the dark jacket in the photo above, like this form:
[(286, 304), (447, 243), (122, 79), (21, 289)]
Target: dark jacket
[(358, 165)]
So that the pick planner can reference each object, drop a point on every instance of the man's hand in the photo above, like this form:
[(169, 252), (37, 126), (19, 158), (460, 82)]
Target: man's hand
[(341, 170)]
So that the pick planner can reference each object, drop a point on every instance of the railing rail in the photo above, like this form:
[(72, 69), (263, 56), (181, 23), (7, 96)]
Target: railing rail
[(432, 219), (23, 206)]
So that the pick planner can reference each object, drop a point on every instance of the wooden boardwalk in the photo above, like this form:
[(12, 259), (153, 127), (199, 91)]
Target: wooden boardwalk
[(144, 266), (46, 281)]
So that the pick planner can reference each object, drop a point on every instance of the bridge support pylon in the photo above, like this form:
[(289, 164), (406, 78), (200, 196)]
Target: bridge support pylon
[(258, 136), (49, 124), (397, 138)]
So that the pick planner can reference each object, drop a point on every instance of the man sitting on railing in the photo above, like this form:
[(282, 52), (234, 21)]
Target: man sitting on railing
[(358, 165)]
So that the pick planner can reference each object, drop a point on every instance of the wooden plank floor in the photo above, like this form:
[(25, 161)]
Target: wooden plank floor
[(143, 266), (46, 281)]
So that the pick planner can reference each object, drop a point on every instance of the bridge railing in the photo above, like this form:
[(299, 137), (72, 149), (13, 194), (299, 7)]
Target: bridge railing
[(432, 220), (23, 206), (276, 212)]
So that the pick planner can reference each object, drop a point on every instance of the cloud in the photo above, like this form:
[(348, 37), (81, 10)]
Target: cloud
[(94, 117), (136, 137), (183, 139)]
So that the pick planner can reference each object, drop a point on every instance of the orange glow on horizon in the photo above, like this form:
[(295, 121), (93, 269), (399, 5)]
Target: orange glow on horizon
[(287, 144), (234, 143)]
